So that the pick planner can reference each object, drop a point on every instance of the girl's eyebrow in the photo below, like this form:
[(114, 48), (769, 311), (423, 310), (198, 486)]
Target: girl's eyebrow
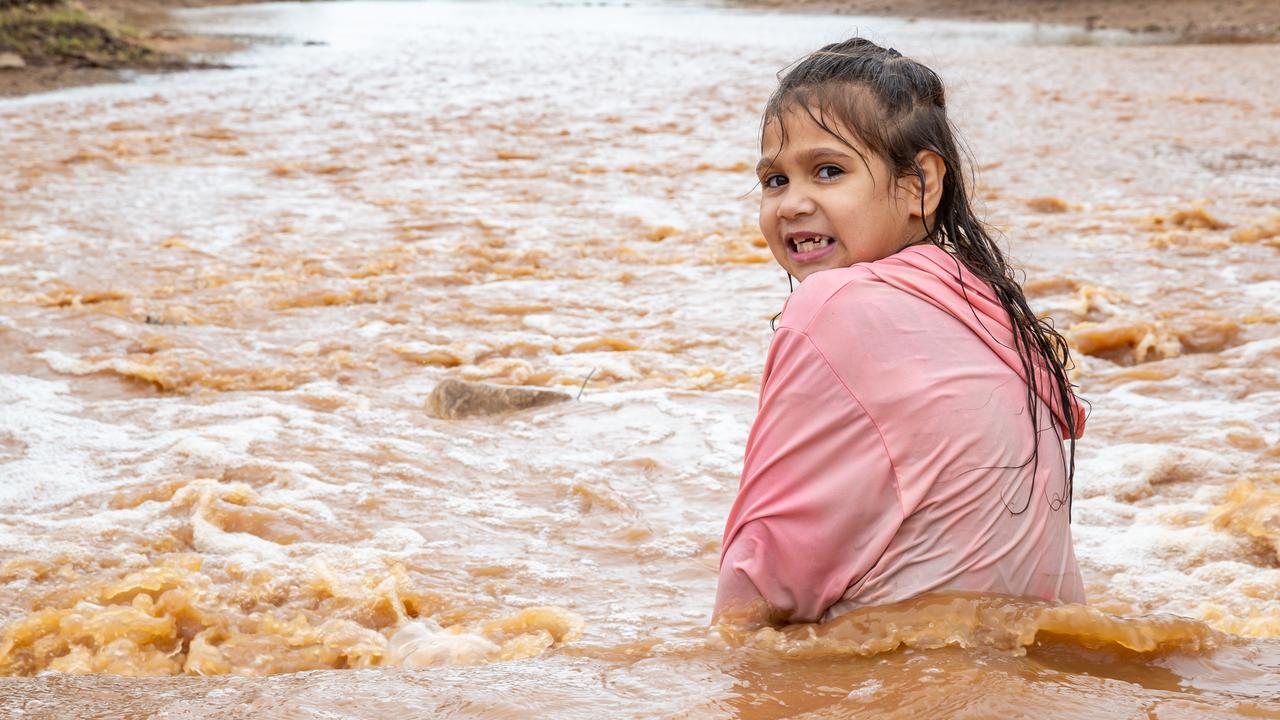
[(805, 157)]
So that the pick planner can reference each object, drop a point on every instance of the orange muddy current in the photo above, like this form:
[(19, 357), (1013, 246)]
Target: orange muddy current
[(225, 298)]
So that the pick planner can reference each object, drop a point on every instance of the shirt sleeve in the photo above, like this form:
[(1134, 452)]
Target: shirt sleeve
[(818, 502)]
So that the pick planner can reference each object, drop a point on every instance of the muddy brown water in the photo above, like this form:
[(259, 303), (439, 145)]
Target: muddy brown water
[(226, 296)]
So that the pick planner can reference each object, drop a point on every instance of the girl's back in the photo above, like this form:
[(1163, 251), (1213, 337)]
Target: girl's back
[(901, 385)]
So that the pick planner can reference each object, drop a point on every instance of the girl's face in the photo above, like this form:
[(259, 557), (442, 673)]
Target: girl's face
[(822, 207)]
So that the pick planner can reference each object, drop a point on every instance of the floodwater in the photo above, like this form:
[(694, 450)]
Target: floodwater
[(226, 296)]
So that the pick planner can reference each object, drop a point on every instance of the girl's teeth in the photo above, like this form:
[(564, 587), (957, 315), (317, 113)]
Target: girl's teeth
[(805, 246)]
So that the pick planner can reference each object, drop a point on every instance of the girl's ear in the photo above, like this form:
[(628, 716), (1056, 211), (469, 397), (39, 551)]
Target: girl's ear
[(925, 190)]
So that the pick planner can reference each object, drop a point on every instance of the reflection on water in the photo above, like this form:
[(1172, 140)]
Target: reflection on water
[(226, 297)]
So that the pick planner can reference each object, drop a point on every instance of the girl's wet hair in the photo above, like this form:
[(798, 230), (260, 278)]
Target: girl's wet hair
[(896, 107)]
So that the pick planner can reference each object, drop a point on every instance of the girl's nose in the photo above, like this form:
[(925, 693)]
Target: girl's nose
[(795, 203)]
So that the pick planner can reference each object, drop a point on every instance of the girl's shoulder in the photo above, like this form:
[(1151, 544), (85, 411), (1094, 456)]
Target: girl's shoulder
[(874, 290), (822, 288)]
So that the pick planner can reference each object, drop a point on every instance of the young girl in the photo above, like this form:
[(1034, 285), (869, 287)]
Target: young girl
[(913, 408)]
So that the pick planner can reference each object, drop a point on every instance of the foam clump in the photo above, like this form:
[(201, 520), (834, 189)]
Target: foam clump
[(1253, 511), (1192, 218), (530, 632), (1130, 472), (1047, 204), (184, 616), (1124, 341), (426, 644), (968, 620)]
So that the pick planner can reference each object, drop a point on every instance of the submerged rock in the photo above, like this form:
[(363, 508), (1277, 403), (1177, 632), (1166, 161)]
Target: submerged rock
[(452, 399)]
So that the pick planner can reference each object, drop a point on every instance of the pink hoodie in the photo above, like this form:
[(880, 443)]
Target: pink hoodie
[(890, 455)]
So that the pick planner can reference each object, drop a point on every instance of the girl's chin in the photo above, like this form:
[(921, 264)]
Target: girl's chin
[(800, 271), (802, 267)]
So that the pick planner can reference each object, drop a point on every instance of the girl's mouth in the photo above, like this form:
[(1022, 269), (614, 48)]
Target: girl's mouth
[(807, 248)]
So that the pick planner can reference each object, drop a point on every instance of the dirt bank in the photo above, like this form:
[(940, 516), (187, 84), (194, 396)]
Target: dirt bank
[(51, 44), (1186, 21)]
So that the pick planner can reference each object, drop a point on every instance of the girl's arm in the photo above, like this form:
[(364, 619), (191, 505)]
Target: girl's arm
[(818, 502)]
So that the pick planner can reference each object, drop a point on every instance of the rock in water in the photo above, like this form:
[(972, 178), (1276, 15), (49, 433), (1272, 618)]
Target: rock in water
[(11, 61), (453, 399)]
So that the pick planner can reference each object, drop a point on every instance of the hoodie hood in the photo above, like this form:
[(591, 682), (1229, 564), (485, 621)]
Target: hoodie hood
[(941, 279)]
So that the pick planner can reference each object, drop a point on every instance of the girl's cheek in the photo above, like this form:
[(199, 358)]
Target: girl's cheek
[(767, 213)]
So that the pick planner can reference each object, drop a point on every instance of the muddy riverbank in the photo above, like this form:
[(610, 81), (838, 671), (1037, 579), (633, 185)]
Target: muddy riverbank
[(50, 44)]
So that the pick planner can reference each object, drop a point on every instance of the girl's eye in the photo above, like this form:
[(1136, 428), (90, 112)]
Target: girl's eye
[(829, 172), (775, 181)]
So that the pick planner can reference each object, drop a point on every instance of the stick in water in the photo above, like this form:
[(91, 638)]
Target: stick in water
[(584, 383)]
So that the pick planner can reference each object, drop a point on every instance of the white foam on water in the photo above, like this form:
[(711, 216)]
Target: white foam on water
[(398, 540), (423, 643), (867, 689), (63, 451), (1133, 469)]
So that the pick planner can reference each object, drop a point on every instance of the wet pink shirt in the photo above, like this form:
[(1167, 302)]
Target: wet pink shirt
[(889, 457)]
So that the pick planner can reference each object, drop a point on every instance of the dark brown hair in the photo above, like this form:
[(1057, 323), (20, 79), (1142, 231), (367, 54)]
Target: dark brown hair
[(896, 107)]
